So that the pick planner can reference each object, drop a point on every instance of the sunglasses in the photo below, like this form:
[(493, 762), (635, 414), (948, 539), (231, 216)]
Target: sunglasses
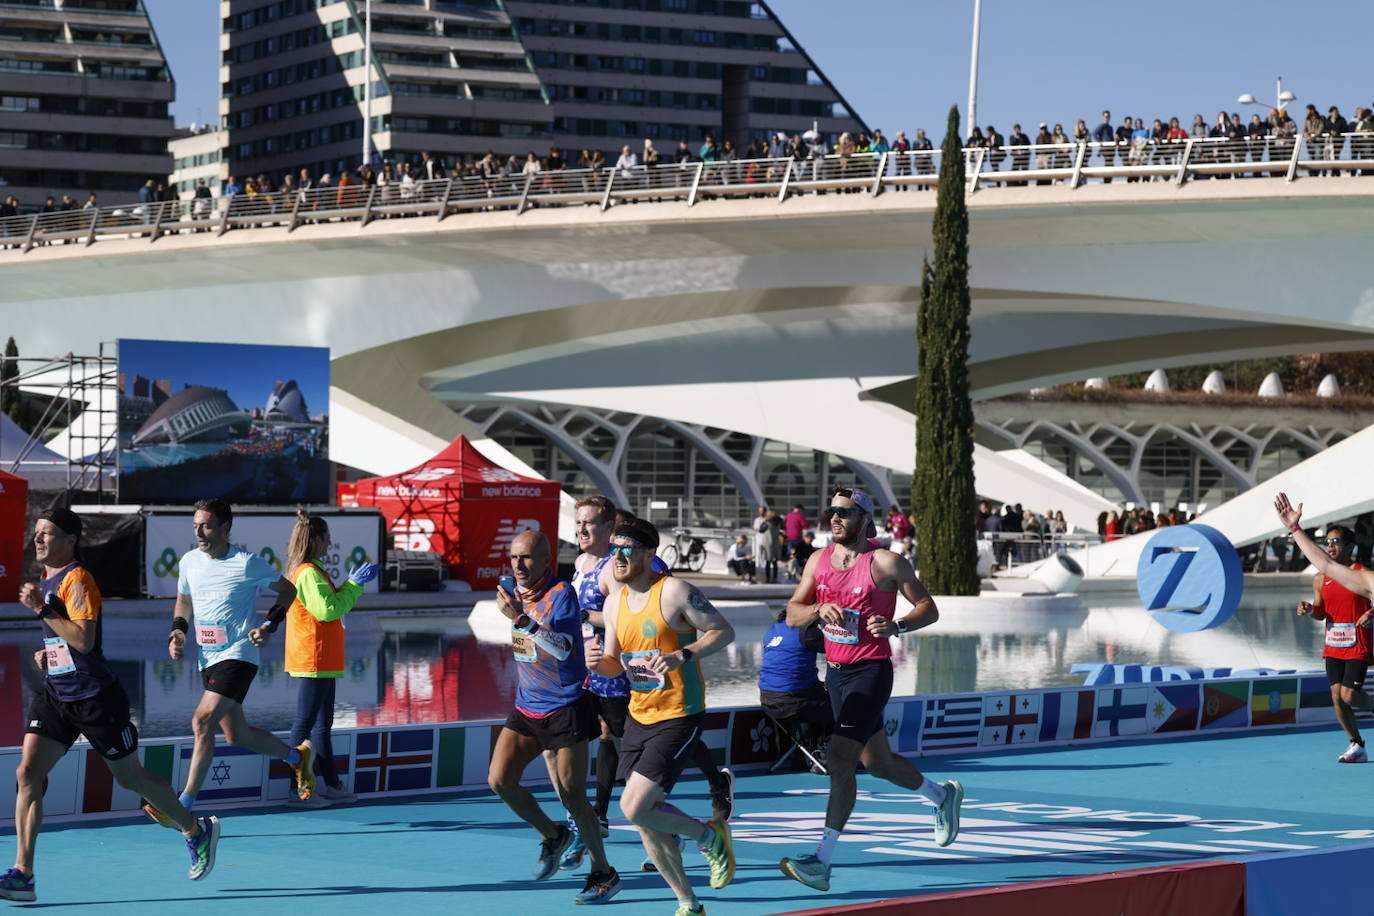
[(1327, 542), (844, 512), (625, 550)]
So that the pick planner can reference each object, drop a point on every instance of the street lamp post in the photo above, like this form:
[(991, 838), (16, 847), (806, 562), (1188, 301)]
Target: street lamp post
[(973, 66), (1281, 98), (367, 88)]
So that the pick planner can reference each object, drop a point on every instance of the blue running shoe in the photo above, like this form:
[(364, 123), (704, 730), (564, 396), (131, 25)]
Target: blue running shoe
[(573, 857), (648, 863), (550, 851), (15, 886), (601, 886), (202, 847)]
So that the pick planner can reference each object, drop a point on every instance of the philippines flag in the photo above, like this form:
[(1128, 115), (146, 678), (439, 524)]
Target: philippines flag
[(1173, 708), (1067, 714), (952, 722), (1121, 711), (394, 760)]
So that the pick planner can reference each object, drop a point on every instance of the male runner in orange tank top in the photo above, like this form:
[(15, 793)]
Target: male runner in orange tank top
[(652, 623), (852, 587)]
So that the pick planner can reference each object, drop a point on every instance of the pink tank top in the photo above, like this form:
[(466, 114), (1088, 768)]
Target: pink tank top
[(853, 590)]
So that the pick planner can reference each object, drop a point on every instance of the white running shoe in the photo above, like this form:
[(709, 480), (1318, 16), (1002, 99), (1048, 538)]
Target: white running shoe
[(318, 800), (947, 813), (339, 796), (807, 869), (1354, 754)]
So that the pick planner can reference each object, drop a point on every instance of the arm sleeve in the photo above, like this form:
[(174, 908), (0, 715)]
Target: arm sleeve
[(322, 602), (80, 595)]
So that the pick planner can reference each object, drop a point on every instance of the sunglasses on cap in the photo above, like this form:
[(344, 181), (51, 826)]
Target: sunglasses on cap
[(844, 512)]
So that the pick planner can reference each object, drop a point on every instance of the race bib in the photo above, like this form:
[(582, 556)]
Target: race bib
[(59, 656), (637, 669), (523, 643), (212, 636), (847, 632), (1340, 635)]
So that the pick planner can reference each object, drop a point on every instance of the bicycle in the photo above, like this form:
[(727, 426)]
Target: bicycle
[(686, 552)]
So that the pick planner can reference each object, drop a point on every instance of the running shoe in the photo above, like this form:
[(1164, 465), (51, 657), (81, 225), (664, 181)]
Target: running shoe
[(339, 796), (573, 857), (605, 828), (202, 847), (723, 795), (601, 886), (318, 800), (159, 818), (14, 886), (720, 855), (1354, 754), (550, 851), (947, 813), (807, 869), (305, 771), (648, 863), (686, 909)]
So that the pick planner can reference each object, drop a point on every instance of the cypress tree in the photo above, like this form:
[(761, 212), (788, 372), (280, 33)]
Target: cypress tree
[(10, 402), (942, 493)]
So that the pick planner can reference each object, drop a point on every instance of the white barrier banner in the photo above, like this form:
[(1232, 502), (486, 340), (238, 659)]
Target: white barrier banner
[(354, 539)]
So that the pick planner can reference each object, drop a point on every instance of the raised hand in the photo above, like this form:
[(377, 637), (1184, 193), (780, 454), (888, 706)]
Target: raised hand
[(1287, 514)]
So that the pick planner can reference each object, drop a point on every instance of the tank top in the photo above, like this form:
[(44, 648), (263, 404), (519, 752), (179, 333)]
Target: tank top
[(643, 635), (587, 585), (853, 590), (787, 666), (1343, 607)]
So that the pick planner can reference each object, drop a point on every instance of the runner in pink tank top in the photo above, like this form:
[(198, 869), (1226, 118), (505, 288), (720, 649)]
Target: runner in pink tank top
[(851, 587)]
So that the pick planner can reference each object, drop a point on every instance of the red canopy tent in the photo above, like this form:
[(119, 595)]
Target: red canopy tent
[(464, 507), (14, 502)]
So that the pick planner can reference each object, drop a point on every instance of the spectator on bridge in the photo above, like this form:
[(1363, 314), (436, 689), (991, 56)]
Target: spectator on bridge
[(557, 162), (430, 169), (879, 143), (923, 155), (146, 197), (1313, 127), (1123, 141), (1362, 146), (1235, 140), (532, 164), (1111, 529), (997, 152), (1020, 154), (91, 202), (1139, 152), (627, 165), (976, 140), (1334, 139), (862, 144), (1081, 133), (980, 517), (709, 151), (1044, 158), (232, 187), (1103, 135), (729, 156), (740, 560), (845, 149), (1256, 140), (202, 201), (1062, 154), (1057, 524), (649, 157), (901, 147), (1285, 134)]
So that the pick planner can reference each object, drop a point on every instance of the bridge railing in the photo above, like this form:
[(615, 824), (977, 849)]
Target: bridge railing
[(1067, 164)]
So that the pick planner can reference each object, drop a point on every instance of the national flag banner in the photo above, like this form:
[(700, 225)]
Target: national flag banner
[(99, 791), (235, 774), (1314, 700), (279, 774), (754, 737), (449, 763), (715, 734), (1011, 718), (1274, 701), (1121, 711), (902, 722), (396, 760), (1173, 707), (1067, 714), (1225, 704), (951, 722)]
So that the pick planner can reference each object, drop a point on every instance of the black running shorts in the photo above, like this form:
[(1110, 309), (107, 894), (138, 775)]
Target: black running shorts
[(230, 679), (858, 697), (564, 727), (613, 711), (103, 719), (1348, 672), (658, 752)]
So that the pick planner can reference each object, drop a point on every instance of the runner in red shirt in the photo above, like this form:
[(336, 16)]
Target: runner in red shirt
[(1348, 650)]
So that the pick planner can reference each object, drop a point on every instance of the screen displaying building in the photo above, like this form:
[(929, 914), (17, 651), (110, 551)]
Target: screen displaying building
[(249, 423)]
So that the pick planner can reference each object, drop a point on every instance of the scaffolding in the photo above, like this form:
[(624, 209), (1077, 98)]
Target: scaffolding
[(82, 409)]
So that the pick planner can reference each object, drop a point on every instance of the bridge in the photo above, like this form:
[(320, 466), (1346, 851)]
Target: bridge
[(773, 297)]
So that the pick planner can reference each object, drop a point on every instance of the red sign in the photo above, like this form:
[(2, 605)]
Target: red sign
[(14, 496)]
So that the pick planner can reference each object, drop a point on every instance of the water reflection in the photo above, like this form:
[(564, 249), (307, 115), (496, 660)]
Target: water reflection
[(407, 667)]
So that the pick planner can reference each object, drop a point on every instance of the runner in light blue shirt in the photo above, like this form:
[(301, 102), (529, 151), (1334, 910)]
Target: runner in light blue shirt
[(218, 585)]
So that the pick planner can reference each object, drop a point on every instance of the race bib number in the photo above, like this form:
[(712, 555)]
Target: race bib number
[(212, 636), (59, 656), (1340, 635), (637, 669), (846, 632), (523, 643)]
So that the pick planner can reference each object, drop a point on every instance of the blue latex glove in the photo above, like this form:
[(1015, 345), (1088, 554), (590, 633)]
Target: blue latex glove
[(364, 573)]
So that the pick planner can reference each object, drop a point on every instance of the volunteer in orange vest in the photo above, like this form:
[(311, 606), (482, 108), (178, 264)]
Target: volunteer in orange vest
[(315, 646)]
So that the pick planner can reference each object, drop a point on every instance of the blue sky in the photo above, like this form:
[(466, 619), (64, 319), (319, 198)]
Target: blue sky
[(246, 371), (902, 63)]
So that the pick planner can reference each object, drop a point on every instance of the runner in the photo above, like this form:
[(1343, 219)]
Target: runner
[(315, 647), (80, 696), (218, 583), (851, 587), (552, 713), (651, 630), (1341, 597)]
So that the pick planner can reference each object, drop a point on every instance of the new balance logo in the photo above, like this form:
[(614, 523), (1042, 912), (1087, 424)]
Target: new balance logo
[(496, 475), (413, 533), (429, 474), (506, 532)]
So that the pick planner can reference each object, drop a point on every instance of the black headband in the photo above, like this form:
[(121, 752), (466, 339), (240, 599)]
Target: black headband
[(632, 533)]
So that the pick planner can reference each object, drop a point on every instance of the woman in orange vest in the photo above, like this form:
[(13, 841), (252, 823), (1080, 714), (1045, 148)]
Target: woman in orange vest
[(315, 645)]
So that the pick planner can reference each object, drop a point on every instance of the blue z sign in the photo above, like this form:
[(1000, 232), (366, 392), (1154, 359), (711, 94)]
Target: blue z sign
[(1191, 576)]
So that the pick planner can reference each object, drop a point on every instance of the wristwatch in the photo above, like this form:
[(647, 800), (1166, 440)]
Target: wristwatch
[(686, 654), (902, 628)]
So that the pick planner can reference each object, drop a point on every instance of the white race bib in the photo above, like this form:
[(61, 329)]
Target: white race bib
[(637, 669), (212, 636), (1340, 635), (523, 644), (59, 656), (847, 632)]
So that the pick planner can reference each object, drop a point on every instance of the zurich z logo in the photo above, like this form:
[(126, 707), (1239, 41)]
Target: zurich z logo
[(1191, 576)]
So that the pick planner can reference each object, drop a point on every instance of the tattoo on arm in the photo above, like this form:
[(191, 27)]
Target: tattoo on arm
[(699, 602)]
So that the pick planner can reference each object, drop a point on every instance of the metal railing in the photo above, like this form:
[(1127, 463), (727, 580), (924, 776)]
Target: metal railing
[(1067, 164)]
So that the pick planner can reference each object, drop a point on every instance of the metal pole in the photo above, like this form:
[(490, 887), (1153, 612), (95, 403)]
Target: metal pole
[(973, 66), (1278, 91), (367, 89)]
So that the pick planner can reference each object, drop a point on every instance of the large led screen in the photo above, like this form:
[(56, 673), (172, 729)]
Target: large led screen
[(245, 422)]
